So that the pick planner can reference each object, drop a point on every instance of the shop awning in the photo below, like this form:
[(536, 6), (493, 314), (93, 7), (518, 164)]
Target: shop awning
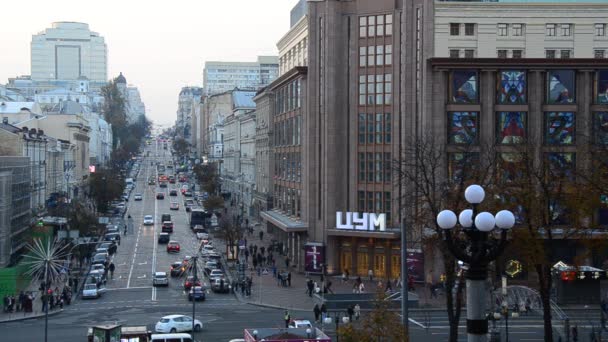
[(283, 221), (387, 234)]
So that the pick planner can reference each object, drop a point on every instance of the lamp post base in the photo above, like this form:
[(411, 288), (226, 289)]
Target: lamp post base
[(477, 323)]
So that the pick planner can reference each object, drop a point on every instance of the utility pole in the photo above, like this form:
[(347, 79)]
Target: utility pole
[(194, 259), (404, 278)]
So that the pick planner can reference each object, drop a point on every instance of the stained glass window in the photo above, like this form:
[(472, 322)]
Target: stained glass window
[(511, 127), (464, 86), (560, 165), (602, 86), (511, 166), (558, 213), (462, 127), (460, 165), (559, 128), (512, 87), (561, 86), (600, 127)]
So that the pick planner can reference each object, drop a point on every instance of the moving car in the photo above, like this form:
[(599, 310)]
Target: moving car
[(173, 192), (138, 197), (196, 293), (160, 278), (167, 227), (174, 206), (190, 282), (160, 196), (173, 247), (92, 291), (220, 285), (175, 323), (148, 220), (216, 273), (189, 204), (177, 269), (300, 323), (164, 238), (165, 217), (188, 193)]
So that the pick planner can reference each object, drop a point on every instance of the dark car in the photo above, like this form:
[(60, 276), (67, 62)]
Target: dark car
[(111, 246), (196, 293), (220, 285), (173, 192), (177, 269), (100, 259), (165, 217), (190, 282), (164, 238), (160, 196), (167, 227), (188, 193)]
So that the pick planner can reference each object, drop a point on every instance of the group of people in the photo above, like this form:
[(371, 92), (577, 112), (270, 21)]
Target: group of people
[(244, 285), (55, 298), (283, 278), (23, 302)]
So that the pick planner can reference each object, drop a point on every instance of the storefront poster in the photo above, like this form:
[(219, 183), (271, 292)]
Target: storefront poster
[(415, 265), (314, 254)]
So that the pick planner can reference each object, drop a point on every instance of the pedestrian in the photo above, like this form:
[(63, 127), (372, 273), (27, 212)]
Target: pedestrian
[(323, 312), (343, 277), (112, 268), (118, 239), (317, 312), (361, 288), (347, 274), (389, 287), (287, 319), (261, 235), (350, 311), (575, 333), (287, 262), (310, 285), (289, 279), (328, 287), (279, 279), (274, 271), (125, 231), (370, 274)]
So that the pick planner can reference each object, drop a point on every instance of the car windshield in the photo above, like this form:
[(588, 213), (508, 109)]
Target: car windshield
[(90, 287), (148, 217), (165, 320)]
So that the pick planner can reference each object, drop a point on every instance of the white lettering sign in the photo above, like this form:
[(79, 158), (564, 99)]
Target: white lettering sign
[(361, 221)]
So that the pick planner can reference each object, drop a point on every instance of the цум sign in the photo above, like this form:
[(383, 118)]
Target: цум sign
[(361, 221)]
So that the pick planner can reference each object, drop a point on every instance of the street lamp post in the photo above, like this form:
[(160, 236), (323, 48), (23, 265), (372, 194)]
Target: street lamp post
[(480, 249)]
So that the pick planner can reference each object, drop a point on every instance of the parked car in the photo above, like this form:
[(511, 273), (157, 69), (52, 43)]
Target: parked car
[(160, 278), (173, 247), (138, 197), (300, 323), (209, 266), (216, 273), (167, 227), (177, 323), (196, 293), (163, 238), (174, 206), (99, 259), (148, 220), (99, 267), (92, 291), (160, 195)]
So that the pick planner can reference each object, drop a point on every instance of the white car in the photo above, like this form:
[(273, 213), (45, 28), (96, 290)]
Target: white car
[(92, 291), (216, 273), (148, 220), (98, 267), (300, 323), (160, 278), (177, 323), (138, 197)]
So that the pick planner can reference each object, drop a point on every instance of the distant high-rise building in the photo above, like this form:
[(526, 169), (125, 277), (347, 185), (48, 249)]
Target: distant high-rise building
[(219, 77), (67, 51)]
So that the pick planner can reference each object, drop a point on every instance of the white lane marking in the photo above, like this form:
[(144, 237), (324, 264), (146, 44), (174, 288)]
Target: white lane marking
[(143, 263), (141, 277), (129, 288), (133, 261), (155, 243)]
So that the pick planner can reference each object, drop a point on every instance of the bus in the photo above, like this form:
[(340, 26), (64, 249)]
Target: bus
[(197, 217)]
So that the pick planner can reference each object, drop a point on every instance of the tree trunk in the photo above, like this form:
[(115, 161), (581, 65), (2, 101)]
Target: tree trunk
[(544, 277), (452, 308)]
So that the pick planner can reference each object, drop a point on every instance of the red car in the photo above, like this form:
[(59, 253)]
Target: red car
[(190, 282), (173, 247), (167, 227)]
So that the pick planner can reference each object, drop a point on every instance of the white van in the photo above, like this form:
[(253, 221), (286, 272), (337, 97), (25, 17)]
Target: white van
[(129, 181), (181, 337)]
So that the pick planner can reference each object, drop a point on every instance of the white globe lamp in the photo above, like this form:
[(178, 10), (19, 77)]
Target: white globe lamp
[(474, 194), (485, 221), (446, 219), (466, 218), (505, 219)]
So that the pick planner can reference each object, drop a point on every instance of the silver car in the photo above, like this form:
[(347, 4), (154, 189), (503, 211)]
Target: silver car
[(160, 278)]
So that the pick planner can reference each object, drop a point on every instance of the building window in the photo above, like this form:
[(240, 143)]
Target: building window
[(469, 29), (454, 29), (510, 167), (362, 56), (362, 89), (362, 127), (561, 86), (469, 53), (454, 53), (600, 127), (559, 128), (566, 29), (518, 30), (379, 54), (461, 165), (380, 25), (512, 87), (550, 53), (376, 127), (502, 30), (464, 86), (560, 165), (600, 30), (601, 87), (388, 89), (550, 30), (388, 30), (388, 54), (371, 59), (362, 27), (387, 167), (599, 53), (511, 127), (501, 53), (462, 127), (371, 26), (518, 53), (564, 53)]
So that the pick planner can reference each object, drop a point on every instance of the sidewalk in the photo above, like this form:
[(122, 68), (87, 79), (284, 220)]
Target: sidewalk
[(266, 290)]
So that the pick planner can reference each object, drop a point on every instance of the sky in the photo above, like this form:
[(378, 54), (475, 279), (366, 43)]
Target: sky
[(159, 46)]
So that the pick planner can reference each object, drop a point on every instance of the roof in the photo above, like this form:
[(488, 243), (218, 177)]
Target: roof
[(7, 107), (243, 99), (10, 128), (67, 107), (120, 79), (60, 91)]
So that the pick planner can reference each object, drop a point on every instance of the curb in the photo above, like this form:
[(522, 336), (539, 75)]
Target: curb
[(52, 313)]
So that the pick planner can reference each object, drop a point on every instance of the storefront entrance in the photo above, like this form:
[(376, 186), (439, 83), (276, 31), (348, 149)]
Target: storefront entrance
[(362, 261), (379, 263), (346, 260)]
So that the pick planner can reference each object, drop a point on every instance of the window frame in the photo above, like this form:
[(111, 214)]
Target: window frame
[(454, 29), (502, 29), (469, 29), (550, 30)]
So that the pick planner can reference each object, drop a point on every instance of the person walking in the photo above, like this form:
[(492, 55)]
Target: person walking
[(357, 311), (323, 312), (350, 311), (289, 279), (287, 319), (389, 287), (112, 268), (370, 274), (286, 262), (575, 333), (317, 311), (261, 235), (310, 285)]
